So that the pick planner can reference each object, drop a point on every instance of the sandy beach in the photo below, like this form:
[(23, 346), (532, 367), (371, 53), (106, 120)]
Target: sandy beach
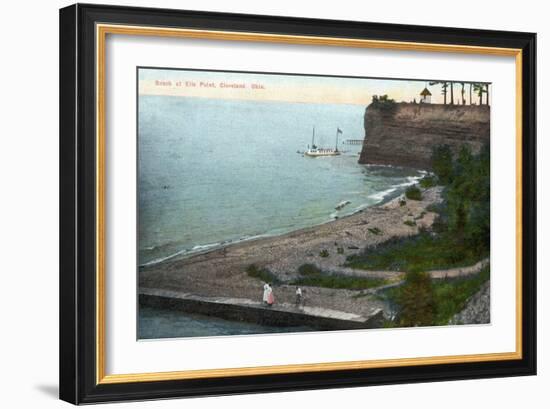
[(222, 272)]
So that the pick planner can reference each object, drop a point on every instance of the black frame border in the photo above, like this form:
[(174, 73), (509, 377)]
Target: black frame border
[(77, 255)]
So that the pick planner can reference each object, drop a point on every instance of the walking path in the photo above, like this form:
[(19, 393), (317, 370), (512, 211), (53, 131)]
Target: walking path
[(399, 275), (254, 311)]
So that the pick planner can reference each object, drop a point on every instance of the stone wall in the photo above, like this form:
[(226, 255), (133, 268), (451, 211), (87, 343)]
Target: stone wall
[(477, 309), (270, 316)]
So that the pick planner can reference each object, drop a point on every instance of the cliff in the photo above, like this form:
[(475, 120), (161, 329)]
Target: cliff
[(405, 134)]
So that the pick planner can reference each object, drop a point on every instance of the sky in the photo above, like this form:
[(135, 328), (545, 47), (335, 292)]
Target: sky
[(284, 87)]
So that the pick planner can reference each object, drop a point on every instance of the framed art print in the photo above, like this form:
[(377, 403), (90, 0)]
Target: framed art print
[(257, 203)]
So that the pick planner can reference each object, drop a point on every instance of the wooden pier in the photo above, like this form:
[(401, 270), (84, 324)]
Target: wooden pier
[(353, 142)]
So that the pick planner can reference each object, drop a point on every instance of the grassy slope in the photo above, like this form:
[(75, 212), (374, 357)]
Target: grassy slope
[(422, 252)]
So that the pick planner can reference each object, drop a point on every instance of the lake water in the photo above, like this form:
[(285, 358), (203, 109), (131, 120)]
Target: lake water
[(216, 171), (161, 323)]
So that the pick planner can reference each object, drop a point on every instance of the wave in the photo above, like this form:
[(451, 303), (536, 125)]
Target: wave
[(208, 246), (202, 248), (411, 180), (380, 196), (162, 259)]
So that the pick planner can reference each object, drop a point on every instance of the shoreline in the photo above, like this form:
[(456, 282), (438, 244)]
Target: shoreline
[(210, 247), (223, 272), (213, 247)]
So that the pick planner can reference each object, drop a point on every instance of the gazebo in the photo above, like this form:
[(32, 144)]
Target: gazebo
[(426, 96)]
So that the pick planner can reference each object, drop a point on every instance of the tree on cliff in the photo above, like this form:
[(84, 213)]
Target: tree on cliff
[(448, 86), (452, 94), (383, 102), (444, 86), (479, 88)]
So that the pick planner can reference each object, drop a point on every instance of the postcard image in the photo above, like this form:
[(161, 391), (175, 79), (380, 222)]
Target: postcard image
[(284, 203)]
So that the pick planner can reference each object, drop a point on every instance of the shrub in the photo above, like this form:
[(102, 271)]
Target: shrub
[(442, 163), (428, 181), (384, 103), (375, 230), (413, 193), (262, 274), (308, 269), (324, 253), (340, 250), (409, 223)]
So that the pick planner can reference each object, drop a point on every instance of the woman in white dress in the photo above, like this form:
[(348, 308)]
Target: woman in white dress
[(266, 292)]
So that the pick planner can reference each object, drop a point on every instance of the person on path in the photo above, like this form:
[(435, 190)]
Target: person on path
[(270, 296), (266, 292), (298, 296)]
